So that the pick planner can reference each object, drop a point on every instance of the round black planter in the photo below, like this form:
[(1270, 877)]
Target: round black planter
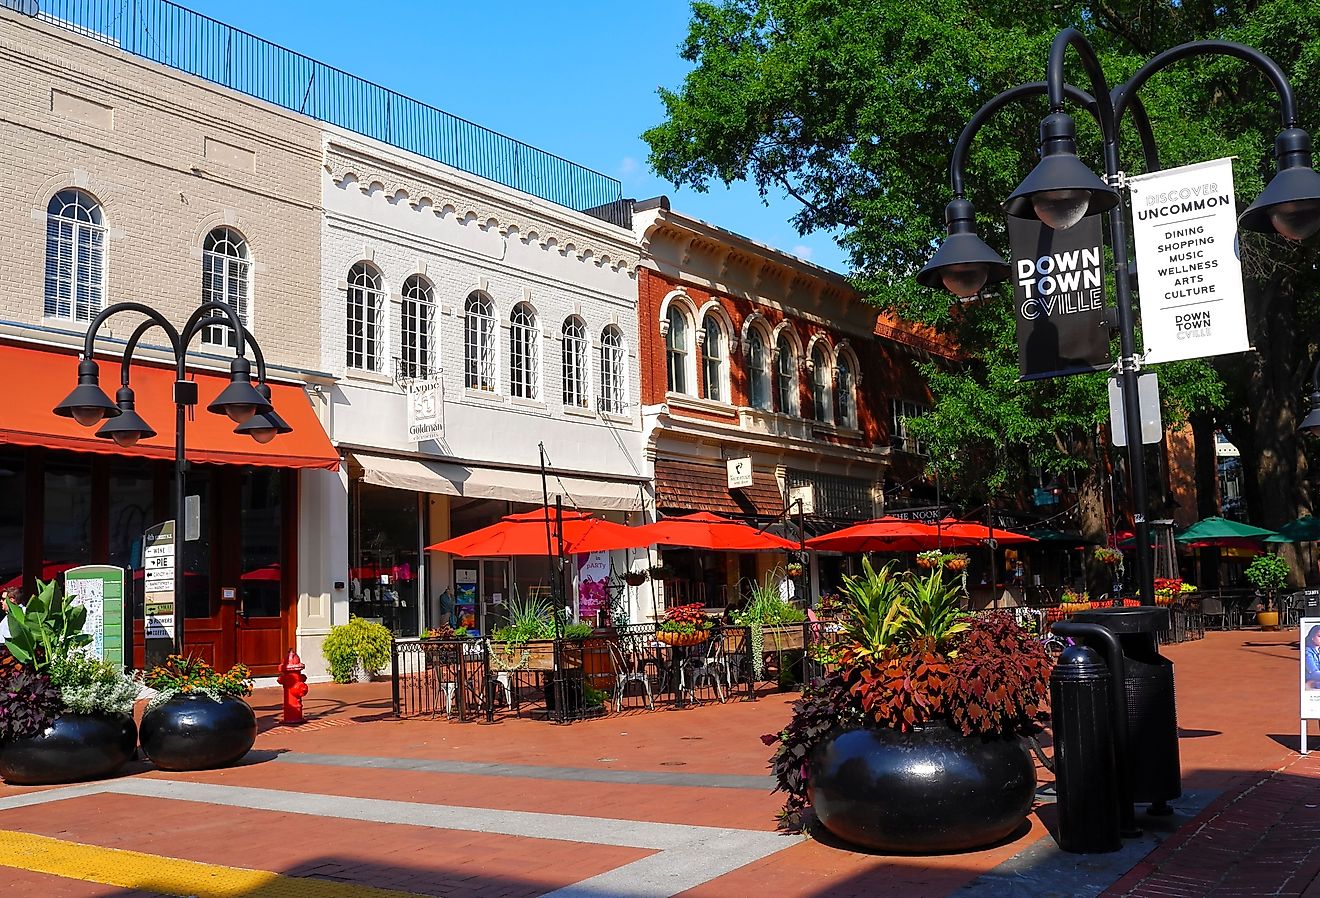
[(194, 732), (929, 791), (76, 747)]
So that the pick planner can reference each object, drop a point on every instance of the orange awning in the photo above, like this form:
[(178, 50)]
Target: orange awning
[(37, 380)]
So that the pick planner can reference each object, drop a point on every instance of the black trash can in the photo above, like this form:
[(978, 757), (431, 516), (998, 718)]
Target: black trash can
[(1151, 754), (1085, 776)]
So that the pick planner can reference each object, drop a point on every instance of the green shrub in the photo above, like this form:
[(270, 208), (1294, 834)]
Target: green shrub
[(579, 630), (1267, 572), (357, 641), (88, 685), (48, 627)]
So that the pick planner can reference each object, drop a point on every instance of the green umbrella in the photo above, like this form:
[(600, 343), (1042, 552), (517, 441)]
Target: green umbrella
[(1305, 529), (1210, 530), (1050, 535)]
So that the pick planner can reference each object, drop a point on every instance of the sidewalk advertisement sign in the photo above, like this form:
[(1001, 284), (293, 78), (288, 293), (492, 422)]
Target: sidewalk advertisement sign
[(1059, 294), (158, 587), (1309, 671), (1184, 221), (426, 410), (100, 589)]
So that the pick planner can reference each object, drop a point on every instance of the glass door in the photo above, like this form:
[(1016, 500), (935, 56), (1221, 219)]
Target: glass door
[(261, 584), (494, 594)]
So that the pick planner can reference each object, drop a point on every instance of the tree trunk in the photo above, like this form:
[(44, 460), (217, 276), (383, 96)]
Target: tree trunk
[(1091, 511)]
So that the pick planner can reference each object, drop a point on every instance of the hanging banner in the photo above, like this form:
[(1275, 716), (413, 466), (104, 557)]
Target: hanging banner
[(426, 410), (100, 589), (1059, 294), (1185, 227), (593, 574)]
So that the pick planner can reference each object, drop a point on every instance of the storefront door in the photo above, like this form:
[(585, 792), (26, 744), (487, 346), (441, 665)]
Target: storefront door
[(481, 591)]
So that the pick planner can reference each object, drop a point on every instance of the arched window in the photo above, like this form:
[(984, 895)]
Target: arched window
[(822, 401), (366, 301), (417, 328), (786, 382), (758, 370), (713, 356), (524, 352), (613, 372), (479, 343), (576, 392), (226, 278), (845, 387), (75, 257), (676, 349)]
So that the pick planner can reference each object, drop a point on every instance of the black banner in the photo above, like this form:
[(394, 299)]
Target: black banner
[(1059, 294)]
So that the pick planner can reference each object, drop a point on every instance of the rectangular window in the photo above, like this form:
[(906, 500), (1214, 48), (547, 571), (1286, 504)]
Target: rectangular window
[(363, 329), (905, 410), (418, 322), (12, 499)]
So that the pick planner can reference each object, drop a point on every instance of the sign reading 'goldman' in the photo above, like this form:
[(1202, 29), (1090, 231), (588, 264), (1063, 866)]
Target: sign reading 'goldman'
[(1059, 293)]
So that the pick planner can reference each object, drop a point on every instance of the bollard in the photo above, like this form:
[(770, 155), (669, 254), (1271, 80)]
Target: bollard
[(294, 682), (1086, 775)]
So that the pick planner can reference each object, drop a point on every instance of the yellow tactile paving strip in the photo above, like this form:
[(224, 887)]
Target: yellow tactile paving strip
[(164, 875)]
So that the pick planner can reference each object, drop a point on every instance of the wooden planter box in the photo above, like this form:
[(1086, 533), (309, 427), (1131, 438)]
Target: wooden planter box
[(782, 639), (537, 654)]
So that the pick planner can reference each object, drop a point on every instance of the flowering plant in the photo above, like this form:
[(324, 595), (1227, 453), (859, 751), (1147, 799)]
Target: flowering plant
[(186, 676), (930, 558), (1106, 555), (685, 620), (956, 561), (591, 597)]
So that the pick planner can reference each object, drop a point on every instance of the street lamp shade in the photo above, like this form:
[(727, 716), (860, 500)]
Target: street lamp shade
[(1311, 423), (127, 427), (1290, 204), (1061, 190), (964, 264), (240, 400), (87, 404), (265, 426)]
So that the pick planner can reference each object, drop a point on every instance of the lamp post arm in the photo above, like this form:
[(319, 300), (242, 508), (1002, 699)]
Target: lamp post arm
[(201, 317), (1071, 37), (1141, 122), (89, 342), (1126, 92), (131, 346), (257, 355)]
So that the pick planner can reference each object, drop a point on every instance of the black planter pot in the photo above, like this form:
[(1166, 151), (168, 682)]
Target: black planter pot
[(925, 792), (76, 747), (194, 732)]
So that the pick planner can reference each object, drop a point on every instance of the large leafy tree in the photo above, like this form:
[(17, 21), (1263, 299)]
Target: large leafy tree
[(853, 106)]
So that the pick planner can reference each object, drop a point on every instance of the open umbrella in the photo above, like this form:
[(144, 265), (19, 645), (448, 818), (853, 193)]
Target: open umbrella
[(269, 573), (974, 530), (1070, 539), (887, 534), (1216, 531), (49, 571), (1305, 529), (710, 531), (525, 534)]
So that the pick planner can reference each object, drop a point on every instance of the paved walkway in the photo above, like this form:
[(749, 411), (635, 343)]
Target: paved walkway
[(358, 805)]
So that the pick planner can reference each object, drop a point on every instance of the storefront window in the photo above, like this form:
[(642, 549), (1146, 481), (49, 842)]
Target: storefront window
[(261, 533), (67, 534), (197, 552), (384, 557), (131, 496), (11, 521)]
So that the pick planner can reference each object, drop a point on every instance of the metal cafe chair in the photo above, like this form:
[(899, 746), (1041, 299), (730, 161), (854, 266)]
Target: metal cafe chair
[(1212, 611), (629, 667), (706, 666)]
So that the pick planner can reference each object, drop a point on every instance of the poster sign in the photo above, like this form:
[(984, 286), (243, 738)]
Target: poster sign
[(100, 589), (1185, 225), (1309, 671), (158, 589), (740, 473), (1059, 295), (426, 404), (593, 570)]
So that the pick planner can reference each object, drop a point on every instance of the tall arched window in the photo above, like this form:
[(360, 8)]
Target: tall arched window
[(524, 352), (786, 382), (479, 343), (576, 392), (676, 349), (846, 388), (613, 371), (366, 301), (713, 357), (417, 328), (822, 401), (75, 257), (758, 370), (226, 278)]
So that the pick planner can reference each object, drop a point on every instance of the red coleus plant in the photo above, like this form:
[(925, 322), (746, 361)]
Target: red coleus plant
[(1001, 674), (685, 619), (904, 689)]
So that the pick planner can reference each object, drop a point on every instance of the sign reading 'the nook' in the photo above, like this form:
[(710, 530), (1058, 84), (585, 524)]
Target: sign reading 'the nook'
[(1059, 292), (1185, 225)]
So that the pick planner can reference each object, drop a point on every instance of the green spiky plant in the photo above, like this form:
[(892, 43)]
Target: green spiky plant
[(48, 627), (877, 609), (932, 609)]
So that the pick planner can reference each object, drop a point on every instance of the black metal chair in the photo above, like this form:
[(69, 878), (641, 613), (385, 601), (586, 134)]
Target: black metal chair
[(1213, 611)]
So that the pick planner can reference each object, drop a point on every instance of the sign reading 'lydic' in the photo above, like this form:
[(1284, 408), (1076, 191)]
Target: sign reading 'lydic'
[(1059, 294), (1185, 228)]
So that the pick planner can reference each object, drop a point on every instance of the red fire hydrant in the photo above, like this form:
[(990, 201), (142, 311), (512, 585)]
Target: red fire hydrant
[(294, 682)]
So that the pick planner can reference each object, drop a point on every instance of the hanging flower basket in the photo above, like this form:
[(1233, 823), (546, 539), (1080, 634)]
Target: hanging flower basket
[(930, 559), (1111, 557), (681, 639), (635, 578), (956, 562)]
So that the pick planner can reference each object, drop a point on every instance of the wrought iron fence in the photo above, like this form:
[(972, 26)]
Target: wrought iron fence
[(181, 38)]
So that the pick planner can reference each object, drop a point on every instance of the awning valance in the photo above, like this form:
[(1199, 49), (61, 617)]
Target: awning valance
[(39, 379), (452, 479)]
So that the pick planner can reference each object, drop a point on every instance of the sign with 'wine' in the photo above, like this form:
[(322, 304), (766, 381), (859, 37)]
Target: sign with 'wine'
[(1059, 293), (1185, 227)]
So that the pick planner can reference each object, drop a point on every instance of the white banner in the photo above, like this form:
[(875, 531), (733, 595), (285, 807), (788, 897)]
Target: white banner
[(426, 410), (740, 472), (1185, 230)]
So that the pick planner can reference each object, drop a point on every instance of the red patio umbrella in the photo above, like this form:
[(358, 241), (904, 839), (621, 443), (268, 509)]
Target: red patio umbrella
[(270, 572), (525, 534), (888, 534), (975, 530), (49, 571), (710, 531)]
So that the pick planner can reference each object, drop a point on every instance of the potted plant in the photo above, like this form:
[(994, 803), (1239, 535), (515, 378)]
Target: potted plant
[(956, 562), (65, 716), (1269, 574), (357, 650), (684, 625), (660, 572), (1108, 556), (931, 558), (772, 623), (634, 578), (894, 751), (198, 718), (525, 642)]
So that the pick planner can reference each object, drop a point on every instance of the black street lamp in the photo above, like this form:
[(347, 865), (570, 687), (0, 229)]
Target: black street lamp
[(247, 406), (1061, 190)]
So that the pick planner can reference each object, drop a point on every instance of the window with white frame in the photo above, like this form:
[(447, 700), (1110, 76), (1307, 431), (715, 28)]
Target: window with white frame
[(226, 278), (676, 349), (787, 380), (524, 352), (574, 354), (905, 411), (845, 386), (75, 257), (366, 303), (713, 357), (758, 370), (479, 343), (613, 372), (822, 400), (417, 328)]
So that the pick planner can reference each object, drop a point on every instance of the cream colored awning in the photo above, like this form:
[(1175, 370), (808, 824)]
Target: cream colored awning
[(449, 479)]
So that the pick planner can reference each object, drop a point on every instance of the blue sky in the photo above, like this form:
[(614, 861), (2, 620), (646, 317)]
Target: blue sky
[(578, 80)]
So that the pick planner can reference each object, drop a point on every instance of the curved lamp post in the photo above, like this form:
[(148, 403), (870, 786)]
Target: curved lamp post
[(1061, 190), (247, 406)]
